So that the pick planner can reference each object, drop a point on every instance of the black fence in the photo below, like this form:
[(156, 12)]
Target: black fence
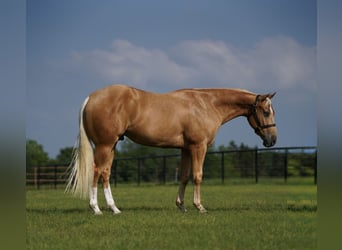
[(219, 166)]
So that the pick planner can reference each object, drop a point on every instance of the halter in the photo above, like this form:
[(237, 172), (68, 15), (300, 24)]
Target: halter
[(256, 118)]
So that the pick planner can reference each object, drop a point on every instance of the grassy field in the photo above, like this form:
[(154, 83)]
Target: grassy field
[(241, 216)]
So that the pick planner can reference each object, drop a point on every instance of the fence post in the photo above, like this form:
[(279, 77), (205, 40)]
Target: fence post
[(38, 177), (115, 172), (176, 175), (315, 169), (286, 165), (222, 167), (256, 167), (164, 169), (35, 176), (55, 176), (139, 170)]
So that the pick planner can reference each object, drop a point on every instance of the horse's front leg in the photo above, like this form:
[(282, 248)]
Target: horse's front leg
[(184, 178), (198, 155)]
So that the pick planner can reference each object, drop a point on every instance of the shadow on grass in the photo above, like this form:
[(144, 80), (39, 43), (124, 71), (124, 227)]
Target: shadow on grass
[(289, 206), (86, 210), (302, 206), (56, 210)]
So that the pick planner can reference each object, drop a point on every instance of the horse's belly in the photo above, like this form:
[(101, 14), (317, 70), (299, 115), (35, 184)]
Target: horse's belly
[(156, 138)]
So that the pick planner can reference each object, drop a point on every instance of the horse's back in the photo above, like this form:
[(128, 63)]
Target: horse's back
[(168, 119), (111, 91), (107, 114)]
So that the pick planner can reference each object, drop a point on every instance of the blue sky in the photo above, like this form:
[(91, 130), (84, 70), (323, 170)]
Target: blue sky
[(76, 47)]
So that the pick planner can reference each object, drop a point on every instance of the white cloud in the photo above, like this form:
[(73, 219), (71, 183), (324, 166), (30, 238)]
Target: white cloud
[(278, 62), (283, 62)]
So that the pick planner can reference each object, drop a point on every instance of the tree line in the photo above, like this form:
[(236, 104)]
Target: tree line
[(37, 156), (239, 161)]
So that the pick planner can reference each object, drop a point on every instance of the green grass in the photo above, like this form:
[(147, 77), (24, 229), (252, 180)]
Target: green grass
[(246, 216)]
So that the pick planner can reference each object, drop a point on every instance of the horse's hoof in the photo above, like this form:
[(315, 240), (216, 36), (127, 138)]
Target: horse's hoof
[(117, 211), (95, 209), (181, 207), (114, 209), (201, 209)]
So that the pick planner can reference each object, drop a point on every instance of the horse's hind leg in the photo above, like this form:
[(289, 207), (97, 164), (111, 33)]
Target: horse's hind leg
[(103, 157), (93, 204), (106, 186)]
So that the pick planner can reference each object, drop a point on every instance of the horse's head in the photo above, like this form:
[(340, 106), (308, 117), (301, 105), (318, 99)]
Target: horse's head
[(261, 119)]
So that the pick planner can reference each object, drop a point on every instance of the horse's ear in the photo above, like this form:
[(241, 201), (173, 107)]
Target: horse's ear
[(271, 95)]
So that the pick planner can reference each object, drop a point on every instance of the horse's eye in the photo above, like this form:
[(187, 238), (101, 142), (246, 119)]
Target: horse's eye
[(266, 113)]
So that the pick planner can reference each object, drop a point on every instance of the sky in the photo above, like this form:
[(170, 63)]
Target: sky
[(76, 47)]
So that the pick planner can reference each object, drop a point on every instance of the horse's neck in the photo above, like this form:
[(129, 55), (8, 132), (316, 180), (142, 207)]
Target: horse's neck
[(232, 103)]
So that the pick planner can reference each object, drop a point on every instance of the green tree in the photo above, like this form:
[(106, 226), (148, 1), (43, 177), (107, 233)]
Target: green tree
[(64, 156), (150, 168), (232, 146), (35, 154)]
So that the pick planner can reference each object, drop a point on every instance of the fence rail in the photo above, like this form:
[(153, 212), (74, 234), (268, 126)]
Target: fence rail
[(282, 162)]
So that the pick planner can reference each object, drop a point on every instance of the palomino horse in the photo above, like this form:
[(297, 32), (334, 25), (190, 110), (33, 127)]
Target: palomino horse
[(187, 119)]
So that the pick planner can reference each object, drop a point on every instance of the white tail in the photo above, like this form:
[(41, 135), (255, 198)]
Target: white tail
[(81, 166)]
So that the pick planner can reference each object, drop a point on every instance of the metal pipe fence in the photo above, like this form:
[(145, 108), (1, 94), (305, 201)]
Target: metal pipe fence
[(221, 166)]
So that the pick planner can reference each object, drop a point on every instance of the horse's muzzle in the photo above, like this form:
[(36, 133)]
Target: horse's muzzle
[(269, 141)]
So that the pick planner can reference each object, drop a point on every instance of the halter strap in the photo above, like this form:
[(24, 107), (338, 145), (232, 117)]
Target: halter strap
[(256, 118)]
